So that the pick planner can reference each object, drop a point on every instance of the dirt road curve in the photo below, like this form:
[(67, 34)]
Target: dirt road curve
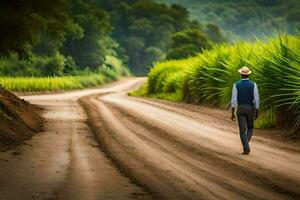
[(64, 162), (171, 151)]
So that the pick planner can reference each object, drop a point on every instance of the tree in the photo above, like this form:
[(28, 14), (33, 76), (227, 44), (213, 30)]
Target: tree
[(247, 19), (23, 21), (188, 43), (214, 33), (89, 51), (144, 28)]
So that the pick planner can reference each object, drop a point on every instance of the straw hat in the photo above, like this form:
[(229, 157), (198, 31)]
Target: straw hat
[(244, 71)]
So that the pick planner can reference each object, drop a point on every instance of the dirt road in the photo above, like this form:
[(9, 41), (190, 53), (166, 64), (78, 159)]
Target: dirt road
[(64, 161), (172, 151)]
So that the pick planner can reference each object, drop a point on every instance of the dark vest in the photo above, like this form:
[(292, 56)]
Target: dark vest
[(245, 92)]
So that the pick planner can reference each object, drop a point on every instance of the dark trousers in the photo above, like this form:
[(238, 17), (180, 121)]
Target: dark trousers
[(245, 115)]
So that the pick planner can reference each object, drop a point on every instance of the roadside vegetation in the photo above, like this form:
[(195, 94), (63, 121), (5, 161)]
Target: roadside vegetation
[(111, 70), (41, 84), (208, 78)]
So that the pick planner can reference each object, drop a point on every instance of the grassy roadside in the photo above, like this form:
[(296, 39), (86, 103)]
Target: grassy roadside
[(208, 78), (40, 84), (78, 80)]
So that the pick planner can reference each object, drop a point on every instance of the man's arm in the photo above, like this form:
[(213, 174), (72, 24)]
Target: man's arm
[(256, 100), (233, 102)]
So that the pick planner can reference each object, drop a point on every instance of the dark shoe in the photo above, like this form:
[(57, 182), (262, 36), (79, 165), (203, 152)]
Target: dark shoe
[(246, 152)]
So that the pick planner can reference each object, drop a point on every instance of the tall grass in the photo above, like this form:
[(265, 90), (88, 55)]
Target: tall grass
[(167, 79), (34, 84), (208, 77), (279, 79)]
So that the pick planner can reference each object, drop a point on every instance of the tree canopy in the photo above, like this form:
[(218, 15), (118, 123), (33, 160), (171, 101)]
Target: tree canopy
[(68, 36), (23, 22), (246, 18), (188, 43)]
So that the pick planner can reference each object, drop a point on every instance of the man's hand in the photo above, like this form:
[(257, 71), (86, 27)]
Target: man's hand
[(233, 117), (256, 114), (232, 114)]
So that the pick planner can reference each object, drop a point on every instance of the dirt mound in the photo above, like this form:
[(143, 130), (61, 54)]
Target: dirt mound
[(19, 120)]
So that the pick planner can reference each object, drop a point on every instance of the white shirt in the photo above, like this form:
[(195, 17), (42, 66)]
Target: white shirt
[(234, 96)]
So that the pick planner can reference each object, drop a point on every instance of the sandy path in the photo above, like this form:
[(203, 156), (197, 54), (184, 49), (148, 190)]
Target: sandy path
[(176, 155), (64, 161)]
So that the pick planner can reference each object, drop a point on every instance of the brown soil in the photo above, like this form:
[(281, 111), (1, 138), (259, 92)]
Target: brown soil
[(19, 120)]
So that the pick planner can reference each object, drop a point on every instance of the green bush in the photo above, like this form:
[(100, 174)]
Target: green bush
[(113, 67), (38, 66)]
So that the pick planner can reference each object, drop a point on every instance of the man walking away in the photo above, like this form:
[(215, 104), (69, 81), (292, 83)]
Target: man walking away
[(246, 98)]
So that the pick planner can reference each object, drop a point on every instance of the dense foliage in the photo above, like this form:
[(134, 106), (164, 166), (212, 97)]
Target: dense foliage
[(23, 22), (246, 18), (188, 43), (64, 37), (208, 77), (61, 37), (144, 29)]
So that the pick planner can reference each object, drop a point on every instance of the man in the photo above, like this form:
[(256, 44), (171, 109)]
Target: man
[(246, 98)]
